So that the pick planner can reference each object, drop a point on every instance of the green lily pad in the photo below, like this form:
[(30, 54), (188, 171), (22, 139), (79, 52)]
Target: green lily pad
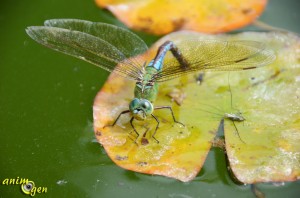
[(265, 147), (269, 99)]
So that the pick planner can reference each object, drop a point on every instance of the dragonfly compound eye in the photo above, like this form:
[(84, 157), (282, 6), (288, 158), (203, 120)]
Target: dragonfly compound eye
[(135, 103), (147, 106)]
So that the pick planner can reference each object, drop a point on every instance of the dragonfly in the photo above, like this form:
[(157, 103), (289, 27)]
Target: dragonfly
[(118, 50)]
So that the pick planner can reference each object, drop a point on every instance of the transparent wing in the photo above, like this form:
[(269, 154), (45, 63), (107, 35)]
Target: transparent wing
[(215, 55), (98, 43)]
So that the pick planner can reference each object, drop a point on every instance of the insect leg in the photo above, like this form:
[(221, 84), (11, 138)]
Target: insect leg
[(123, 112), (153, 135), (131, 123), (229, 87), (170, 108), (237, 132)]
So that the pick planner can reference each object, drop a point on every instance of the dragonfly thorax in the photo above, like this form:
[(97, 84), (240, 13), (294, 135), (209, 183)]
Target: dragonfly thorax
[(140, 108), (146, 87)]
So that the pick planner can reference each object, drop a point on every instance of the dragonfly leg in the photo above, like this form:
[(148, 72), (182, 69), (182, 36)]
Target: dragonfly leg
[(131, 123), (170, 108), (123, 112), (153, 135)]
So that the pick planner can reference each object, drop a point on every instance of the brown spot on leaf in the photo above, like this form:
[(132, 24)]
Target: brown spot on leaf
[(247, 11), (142, 163), (121, 158), (144, 141), (177, 95), (98, 133)]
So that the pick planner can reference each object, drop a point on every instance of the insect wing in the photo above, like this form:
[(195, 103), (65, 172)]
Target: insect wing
[(215, 55), (125, 41), (100, 44)]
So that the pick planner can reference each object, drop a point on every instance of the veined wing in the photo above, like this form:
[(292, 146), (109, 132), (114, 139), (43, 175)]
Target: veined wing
[(101, 44), (215, 55)]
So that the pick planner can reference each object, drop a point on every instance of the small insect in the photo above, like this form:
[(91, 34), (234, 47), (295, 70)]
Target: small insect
[(200, 78), (117, 50), (234, 117), (237, 117)]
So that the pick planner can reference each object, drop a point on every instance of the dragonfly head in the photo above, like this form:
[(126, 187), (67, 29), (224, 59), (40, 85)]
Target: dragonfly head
[(140, 108)]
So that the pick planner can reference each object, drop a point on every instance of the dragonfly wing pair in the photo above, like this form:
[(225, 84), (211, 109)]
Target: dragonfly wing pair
[(215, 55), (107, 46), (101, 44)]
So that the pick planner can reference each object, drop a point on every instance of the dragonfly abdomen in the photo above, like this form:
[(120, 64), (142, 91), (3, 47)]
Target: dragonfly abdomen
[(157, 62), (147, 87)]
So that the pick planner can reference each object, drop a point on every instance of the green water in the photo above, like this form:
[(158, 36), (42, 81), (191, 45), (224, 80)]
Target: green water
[(46, 103)]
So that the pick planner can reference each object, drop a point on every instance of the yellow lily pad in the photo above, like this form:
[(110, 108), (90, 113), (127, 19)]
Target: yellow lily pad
[(162, 17), (181, 151)]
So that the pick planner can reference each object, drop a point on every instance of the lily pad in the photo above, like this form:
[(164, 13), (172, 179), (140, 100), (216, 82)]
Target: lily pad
[(162, 17), (268, 98), (181, 151), (265, 147)]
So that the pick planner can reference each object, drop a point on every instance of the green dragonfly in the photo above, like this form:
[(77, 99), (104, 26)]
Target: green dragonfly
[(117, 50)]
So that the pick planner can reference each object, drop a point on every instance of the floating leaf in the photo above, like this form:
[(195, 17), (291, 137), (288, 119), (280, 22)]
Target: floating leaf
[(162, 17), (181, 151), (267, 97)]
